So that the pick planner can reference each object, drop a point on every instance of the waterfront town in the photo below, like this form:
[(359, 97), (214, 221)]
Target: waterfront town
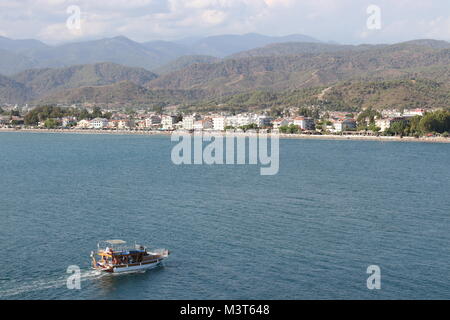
[(365, 123)]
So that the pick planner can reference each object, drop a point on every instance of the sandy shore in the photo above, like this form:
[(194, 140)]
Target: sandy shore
[(282, 136)]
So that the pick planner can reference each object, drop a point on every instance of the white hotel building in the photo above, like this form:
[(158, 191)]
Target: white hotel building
[(239, 121), (304, 123), (263, 121), (219, 123), (168, 122), (99, 123), (189, 121), (152, 121)]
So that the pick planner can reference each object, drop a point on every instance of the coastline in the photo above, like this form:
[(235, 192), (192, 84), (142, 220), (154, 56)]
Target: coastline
[(237, 134)]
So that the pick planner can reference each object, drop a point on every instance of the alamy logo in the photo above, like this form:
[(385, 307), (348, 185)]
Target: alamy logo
[(374, 280), (374, 20), (73, 23), (74, 280), (229, 149)]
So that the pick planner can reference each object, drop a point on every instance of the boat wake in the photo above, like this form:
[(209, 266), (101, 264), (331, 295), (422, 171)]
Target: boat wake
[(13, 288)]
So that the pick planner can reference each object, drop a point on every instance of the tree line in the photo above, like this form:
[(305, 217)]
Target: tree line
[(44, 113), (429, 123)]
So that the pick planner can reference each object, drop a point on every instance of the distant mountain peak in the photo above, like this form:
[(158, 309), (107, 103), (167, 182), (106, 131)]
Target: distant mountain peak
[(431, 43), (21, 46), (122, 38), (224, 45)]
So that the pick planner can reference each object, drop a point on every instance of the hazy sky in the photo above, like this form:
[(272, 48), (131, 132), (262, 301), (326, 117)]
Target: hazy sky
[(328, 20)]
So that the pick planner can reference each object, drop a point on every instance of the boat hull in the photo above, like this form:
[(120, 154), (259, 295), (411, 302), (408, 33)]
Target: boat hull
[(135, 268)]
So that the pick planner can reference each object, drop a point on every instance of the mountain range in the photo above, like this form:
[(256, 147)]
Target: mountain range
[(300, 65), (288, 72), (20, 55)]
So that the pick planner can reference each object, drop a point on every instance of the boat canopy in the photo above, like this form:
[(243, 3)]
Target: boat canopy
[(118, 247), (114, 242)]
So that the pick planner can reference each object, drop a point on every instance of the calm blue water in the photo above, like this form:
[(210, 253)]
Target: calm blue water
[(309, 232)]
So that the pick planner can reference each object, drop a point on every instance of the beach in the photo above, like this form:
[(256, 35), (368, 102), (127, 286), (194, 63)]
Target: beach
[(238, 134)]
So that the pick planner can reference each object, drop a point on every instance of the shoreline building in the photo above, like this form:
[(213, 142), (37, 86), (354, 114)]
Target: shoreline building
[(279, 123), (168, 122), (385, 124), (84, 124), (121, 124), (68, 121), (413, 112), (239, 120), (188, 122), (99, 123), (4, 120), (153, 121), (219, 123), (263, 121), (204, 124), (125, 124), (304, 123), (341, 125)]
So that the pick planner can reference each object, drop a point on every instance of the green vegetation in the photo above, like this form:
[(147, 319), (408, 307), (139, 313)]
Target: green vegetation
[(437, 122), (398, 128), (309, 112), (368, 116), (252, 126), (291, 129), (41, 114), (366, 120), (12, 113), (185, 61), (373, 127), (350, 96), (125, 93), (395, 94), (51, 123)]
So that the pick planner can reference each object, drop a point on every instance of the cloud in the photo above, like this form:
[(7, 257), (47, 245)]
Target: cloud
[(343, 20), (276, 3)]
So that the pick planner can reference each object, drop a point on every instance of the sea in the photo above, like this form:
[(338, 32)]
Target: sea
[(335, 212)]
